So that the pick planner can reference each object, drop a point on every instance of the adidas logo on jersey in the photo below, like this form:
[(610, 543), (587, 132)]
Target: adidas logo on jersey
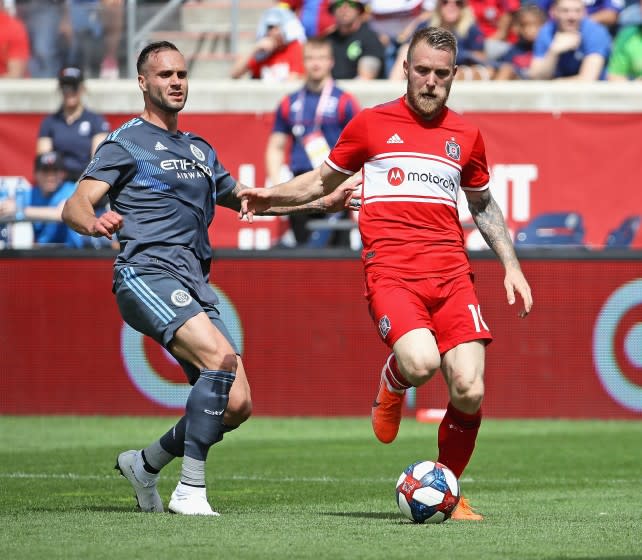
[(395, 139), (160, 146)]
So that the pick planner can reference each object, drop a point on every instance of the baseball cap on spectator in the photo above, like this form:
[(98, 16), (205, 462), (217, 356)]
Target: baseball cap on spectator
[(71, 77), (283, 18), (49, 161), (360, 4)]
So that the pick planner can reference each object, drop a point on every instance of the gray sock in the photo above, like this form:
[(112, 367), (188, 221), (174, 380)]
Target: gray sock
[(156, 456), (193, 472), (204, 411)]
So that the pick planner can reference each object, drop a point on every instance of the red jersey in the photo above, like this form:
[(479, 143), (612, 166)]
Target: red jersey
[(412, 172), (279, 65), (14, 41)]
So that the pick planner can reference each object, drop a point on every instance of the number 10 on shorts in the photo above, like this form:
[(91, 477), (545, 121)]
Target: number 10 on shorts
[(475, 311)]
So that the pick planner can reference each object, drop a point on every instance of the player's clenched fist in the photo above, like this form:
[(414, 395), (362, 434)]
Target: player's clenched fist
[(107, 224)]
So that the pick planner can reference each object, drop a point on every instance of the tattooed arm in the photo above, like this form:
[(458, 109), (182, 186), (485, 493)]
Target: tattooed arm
[(335, 201), (489, 220)]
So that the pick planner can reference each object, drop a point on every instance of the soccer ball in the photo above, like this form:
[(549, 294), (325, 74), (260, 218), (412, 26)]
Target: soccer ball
[(427, 492)]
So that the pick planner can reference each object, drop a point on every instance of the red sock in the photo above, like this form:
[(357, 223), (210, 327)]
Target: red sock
[(457, 435), (396, 381)]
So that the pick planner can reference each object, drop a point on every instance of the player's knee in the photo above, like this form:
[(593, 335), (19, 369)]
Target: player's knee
[(419, 367), (238, 411), (467, 392), (221, 359)]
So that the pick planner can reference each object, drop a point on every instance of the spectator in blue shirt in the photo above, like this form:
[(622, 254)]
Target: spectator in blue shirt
[(570, 45), (45, 201), (73, 131), (307, 124), (605, 12)]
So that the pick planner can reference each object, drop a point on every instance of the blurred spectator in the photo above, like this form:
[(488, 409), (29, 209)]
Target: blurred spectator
[(45, 201), (14, 46), (96, 33), (516, 62), (631, 14), (73, 131), (391, 19), (316, 17), (605, 12), (625, 62), (357, 51), (457, 17), (570, 45), (308, 123), (48, 30), (277, 55), (494, 18)]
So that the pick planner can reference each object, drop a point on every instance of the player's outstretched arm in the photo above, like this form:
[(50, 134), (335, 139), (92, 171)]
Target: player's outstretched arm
[(78, 212), (296, 195), (491, 224)]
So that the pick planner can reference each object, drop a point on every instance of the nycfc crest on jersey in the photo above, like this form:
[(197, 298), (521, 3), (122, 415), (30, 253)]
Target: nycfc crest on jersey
[(453, 150), (180, 298)]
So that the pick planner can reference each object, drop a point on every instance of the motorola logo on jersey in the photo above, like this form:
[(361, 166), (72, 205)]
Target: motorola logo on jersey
[(396, 176), (617, 345), (188, 168), (445, 183)]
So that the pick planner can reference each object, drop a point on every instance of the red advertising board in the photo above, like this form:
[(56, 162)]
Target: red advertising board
[(309, 346), (540, 162)]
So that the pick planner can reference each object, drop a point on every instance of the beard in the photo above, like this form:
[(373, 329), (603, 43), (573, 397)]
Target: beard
[(427, 105), (165, 104)]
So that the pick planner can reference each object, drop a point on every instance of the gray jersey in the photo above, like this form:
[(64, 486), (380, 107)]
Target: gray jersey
[(165, 186)]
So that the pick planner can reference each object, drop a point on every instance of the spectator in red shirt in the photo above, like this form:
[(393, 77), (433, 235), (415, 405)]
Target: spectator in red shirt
[(277, 55), (495, 18), (515, 63), (14, 46)]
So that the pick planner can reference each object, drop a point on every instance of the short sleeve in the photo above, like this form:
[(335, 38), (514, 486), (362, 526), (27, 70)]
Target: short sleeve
[(348, 108), (597, 40), (281, 123), (112, 164), (45, 127), (351, 150), (475, 175), (543, 40)]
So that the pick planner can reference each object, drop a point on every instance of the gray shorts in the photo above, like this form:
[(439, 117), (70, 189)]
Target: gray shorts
[(157, 304)]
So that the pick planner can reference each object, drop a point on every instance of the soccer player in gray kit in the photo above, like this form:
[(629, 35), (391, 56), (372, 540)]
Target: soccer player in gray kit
[(162, 186)]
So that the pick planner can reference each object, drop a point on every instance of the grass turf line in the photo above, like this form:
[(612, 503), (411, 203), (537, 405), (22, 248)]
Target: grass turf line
[(322, 488)]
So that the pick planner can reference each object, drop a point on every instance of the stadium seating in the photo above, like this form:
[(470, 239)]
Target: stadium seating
[(622, 236), (560, 229)]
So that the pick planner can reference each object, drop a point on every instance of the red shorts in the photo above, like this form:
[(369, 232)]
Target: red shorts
[(447, 306)]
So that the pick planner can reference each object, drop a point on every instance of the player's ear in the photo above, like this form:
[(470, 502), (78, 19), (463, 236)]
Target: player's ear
[(141, 83)]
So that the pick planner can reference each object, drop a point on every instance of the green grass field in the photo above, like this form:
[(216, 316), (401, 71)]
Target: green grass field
[(322, 488)]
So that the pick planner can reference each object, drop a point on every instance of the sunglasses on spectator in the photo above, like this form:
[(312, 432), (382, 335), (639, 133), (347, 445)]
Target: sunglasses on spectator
[(458, 3), (70, 88), (351, 3)]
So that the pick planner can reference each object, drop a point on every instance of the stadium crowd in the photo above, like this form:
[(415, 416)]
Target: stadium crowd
[(71, 40), (498, 39)]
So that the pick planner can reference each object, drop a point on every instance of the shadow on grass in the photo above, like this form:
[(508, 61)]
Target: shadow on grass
[(364, 514)]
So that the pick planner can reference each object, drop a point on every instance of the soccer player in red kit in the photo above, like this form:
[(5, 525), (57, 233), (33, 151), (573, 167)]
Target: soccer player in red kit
[(416, 154)]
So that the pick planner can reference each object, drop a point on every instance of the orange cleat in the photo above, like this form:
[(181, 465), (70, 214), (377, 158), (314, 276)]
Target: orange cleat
[(464, 512), (386, 413)]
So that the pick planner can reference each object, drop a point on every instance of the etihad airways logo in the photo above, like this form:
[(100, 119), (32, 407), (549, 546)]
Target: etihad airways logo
[(186, 168), (396, 176)]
